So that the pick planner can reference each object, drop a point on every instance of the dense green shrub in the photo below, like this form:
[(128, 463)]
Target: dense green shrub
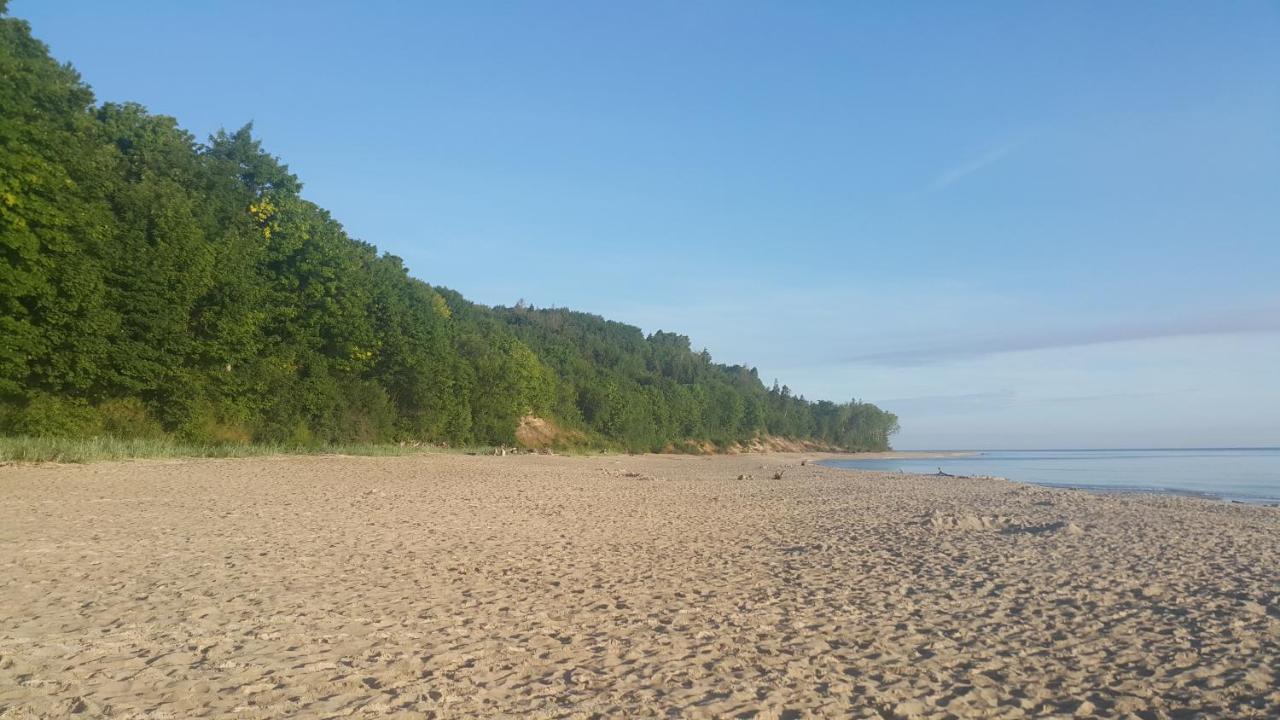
[(128, 418), (49, 416)]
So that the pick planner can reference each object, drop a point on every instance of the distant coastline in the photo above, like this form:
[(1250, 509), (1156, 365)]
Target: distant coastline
[(906, 454)]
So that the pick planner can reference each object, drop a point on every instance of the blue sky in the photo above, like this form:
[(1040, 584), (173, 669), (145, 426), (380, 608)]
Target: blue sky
[(1016, 224)]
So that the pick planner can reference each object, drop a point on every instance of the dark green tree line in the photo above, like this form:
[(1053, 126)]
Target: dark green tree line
[(154, 285)]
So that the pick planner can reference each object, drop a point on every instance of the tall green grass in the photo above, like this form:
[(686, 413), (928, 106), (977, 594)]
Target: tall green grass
[(83, 450)]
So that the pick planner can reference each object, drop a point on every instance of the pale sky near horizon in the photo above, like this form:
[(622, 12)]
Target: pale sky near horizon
[(1017, 225)]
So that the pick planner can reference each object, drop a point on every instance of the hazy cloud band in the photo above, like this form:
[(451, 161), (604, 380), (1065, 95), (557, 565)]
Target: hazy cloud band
[(988, 344)]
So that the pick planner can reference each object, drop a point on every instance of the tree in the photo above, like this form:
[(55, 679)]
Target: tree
[(151, 284)]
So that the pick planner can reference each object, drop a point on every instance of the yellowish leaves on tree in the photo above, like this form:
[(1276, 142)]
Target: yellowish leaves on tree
[(264, 212), (440, 306)]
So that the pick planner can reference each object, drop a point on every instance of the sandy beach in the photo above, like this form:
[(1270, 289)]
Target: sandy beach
[(446, 586)]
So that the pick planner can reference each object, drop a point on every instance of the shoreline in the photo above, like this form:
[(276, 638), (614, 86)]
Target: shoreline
[(1102, 474), (1094, 489), (651, 585)]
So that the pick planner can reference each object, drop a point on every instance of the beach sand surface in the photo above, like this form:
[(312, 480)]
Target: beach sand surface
[(539, 586)]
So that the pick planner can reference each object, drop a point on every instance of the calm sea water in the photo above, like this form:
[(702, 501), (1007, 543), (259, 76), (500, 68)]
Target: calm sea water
[(1247, 475)]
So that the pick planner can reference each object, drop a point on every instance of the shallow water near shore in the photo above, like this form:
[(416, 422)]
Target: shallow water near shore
[(1240, 474)]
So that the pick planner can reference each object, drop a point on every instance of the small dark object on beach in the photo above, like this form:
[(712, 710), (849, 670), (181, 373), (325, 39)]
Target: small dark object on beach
[(803, 463), (778, 475)]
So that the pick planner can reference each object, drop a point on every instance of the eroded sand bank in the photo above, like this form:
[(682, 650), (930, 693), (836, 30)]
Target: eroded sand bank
[(455, 586)]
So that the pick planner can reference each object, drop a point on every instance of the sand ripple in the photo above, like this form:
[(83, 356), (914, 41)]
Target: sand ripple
[(454, 586)]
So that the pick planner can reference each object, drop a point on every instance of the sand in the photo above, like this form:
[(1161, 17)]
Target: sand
[(531, 586)]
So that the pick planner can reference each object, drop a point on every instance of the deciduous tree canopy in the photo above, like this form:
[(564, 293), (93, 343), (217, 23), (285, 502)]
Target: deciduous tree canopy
[(154, 285)]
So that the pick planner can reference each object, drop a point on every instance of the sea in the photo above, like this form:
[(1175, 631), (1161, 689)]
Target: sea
[(1250, 475)]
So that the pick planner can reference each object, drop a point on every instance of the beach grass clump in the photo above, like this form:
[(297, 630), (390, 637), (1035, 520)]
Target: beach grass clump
[(95, 449)]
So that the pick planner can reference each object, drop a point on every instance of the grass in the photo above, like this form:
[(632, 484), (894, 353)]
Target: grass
[(83, 450)]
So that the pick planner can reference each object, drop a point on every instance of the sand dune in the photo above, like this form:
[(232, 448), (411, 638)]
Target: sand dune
[(530, 586)]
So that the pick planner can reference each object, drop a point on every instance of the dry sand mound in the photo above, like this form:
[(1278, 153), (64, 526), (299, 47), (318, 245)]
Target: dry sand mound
[(536, 586), (965, 521), (535, 432), (1007, 525)]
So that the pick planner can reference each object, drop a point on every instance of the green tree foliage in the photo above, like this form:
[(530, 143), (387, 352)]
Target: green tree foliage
[(153, 285), (655, 392)]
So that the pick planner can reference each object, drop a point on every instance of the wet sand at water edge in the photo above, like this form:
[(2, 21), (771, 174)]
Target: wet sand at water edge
[(539, 586)]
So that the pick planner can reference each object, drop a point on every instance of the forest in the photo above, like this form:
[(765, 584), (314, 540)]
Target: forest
[(156, 286)]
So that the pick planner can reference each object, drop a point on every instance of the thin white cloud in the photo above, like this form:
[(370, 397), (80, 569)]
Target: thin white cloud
[(1257, 321), (1117, 396), (953, 175)]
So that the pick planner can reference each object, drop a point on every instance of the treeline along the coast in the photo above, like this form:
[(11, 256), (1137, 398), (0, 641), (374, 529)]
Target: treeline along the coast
[(155, 286)]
